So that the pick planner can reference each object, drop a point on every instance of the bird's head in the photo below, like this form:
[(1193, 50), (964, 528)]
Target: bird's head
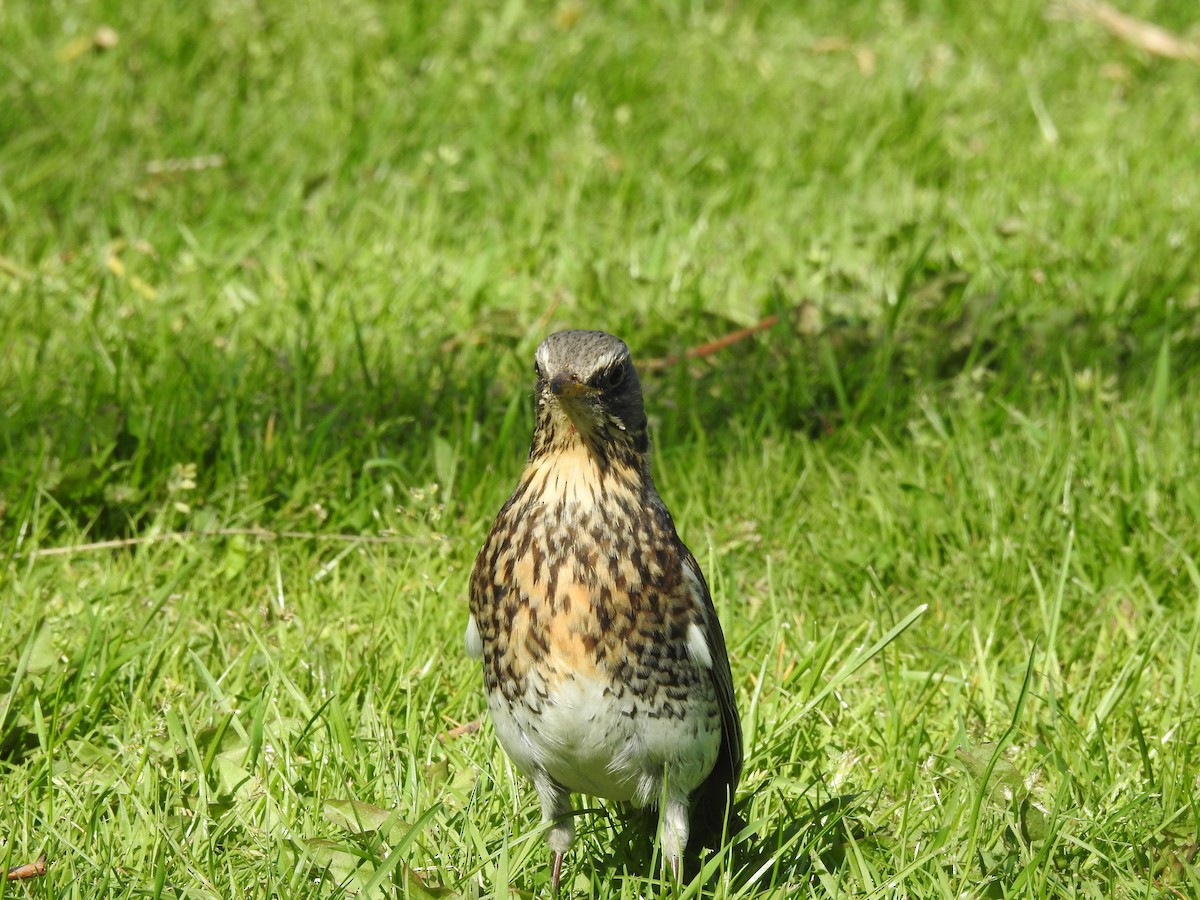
[(588, 388)]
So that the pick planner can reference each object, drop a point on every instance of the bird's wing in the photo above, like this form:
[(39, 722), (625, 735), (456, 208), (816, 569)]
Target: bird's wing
[(718, 790)]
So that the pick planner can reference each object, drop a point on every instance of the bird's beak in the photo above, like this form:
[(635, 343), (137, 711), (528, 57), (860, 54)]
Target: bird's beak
[(566, 386)]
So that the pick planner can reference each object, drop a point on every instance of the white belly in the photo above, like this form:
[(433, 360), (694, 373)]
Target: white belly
[(592, 743)]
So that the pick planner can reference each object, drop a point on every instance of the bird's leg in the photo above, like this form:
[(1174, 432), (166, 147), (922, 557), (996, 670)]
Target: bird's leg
[(556, 809), (675, 830), (555, 870)]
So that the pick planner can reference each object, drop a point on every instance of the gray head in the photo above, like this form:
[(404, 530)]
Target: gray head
[(586, 379)]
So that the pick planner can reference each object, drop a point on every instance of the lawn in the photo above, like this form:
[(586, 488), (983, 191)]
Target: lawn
[(271, 277)]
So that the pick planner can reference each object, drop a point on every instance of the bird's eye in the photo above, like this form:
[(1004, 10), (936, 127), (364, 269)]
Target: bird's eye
[(610, 378)]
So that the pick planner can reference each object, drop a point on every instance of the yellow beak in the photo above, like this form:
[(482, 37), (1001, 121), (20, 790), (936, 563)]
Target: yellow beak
[(565, 386)]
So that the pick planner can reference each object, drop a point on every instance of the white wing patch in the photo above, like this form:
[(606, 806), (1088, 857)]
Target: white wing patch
[(472, 639), (697, 640), (697, 647)]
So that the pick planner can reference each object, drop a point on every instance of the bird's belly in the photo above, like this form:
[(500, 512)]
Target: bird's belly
[(592, 741)]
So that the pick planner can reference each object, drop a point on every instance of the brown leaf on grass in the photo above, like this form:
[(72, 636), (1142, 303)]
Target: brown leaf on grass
[(864, 57), (459, 730), (1138, 33), (103, 38), (34, 869), (567, 14)]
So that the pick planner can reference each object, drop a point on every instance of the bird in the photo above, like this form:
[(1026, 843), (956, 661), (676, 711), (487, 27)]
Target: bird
[(604, 665)]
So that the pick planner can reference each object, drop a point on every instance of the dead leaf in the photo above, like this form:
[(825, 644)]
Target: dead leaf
[(34, 869), (358, 817), (103, 38), (864, 57), (459, 730)]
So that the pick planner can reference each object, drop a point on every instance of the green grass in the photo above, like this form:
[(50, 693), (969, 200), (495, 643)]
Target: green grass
[(323, 326)]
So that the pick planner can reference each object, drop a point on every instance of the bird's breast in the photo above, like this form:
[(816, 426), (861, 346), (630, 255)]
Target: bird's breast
[(582, 577)]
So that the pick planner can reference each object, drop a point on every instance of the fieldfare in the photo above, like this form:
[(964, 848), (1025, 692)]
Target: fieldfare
[(603, 661)]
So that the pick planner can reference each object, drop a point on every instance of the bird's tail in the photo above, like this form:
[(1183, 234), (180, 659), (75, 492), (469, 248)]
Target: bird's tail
[(715, 818)]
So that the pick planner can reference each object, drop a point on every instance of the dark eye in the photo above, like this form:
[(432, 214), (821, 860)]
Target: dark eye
[(610, 378)]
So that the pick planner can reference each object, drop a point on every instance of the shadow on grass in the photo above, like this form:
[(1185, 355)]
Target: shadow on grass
[(762, 862), (787, 857), (277, 426)]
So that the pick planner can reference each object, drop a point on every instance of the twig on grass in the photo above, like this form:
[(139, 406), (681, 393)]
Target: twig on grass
[(665, 362), (1136, 32), (8, 267), (265, 533), (805, 318), (181, 165)]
